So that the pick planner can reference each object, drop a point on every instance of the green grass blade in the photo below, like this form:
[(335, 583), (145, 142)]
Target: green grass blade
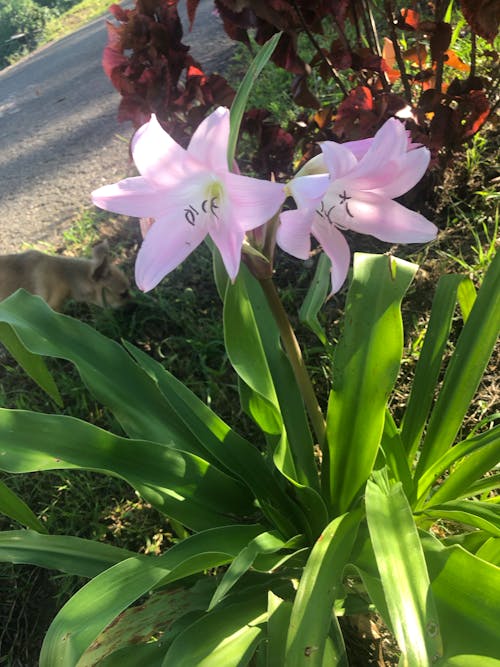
[(319, 585), (365, 367), (403, 572), (465, 370), (429, 363), (33, 365), (178, 483), (14, 507), (240, 101), (72, 555)]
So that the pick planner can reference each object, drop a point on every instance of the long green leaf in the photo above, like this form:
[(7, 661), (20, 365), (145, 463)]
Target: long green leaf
[(290, 401), (278, 622), (240, 101), (15, 508), (151, 654), (267, 543), (224, 636), (72, 555), (221, 444), (490, 551), (469, 512), (403, 572), (246, 350), (315, 297), (472, 661), (465, 370), (105, 367), (467, 462), (100, 601), (429, 363), (253, 346), (366, 363), (181, 485), (395, 456), (320, 583), (157, 614), (465, 590), (32, 364)]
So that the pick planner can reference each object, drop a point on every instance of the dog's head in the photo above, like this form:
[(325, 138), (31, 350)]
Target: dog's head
[(110, 285)]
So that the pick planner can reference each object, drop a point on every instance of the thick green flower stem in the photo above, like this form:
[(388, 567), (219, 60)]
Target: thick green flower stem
[(294, 353)]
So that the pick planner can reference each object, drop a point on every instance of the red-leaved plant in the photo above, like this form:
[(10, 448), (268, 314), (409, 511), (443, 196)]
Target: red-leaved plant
[(376, 61)]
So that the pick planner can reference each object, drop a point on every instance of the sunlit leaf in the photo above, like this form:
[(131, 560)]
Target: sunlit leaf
[(365, 366), (403, 572), (319, 585)]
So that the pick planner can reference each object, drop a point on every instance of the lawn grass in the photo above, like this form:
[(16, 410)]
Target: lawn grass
[(76, 17)]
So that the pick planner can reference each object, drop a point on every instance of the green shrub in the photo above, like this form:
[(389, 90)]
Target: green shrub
[(22, 24)]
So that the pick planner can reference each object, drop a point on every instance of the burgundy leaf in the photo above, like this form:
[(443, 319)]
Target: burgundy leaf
[(483, 16)]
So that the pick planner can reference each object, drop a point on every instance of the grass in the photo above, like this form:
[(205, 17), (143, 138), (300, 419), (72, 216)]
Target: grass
[(76, 17)]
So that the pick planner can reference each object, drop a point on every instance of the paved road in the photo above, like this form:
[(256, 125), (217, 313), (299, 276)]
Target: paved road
[(59, 137)]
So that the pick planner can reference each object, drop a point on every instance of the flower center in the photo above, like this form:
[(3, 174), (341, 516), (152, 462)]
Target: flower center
[(207, 205), (334, 208)]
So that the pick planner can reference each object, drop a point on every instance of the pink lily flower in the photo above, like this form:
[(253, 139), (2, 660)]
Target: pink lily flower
[(189, 193), (356, 193)]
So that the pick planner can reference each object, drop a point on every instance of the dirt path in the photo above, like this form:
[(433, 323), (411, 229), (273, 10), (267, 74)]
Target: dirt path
[(59, 137)]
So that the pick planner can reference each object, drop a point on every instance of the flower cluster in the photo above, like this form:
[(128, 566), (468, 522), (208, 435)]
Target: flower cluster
[(187, 194)]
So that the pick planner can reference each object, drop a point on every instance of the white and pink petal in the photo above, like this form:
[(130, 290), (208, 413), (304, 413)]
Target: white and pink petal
[(339, 160), (209, 143), (336, 247), (167, 243), (308, 191), (411, 168), (160, 159), (228, 236), (253, 202), (294, 232), (387, 220)]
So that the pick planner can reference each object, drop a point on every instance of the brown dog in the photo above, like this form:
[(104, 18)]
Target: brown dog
[(57, 279)]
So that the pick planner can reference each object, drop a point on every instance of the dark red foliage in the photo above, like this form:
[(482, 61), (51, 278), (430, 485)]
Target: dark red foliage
[(275, 146), (153, 70), (483, 16), (155, 73)]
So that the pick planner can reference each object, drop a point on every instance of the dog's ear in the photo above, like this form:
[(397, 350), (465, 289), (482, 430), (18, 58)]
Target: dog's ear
[(100, 260)]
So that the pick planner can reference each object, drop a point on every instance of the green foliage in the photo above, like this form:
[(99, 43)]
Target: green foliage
[(257, 515), (22, 25)]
